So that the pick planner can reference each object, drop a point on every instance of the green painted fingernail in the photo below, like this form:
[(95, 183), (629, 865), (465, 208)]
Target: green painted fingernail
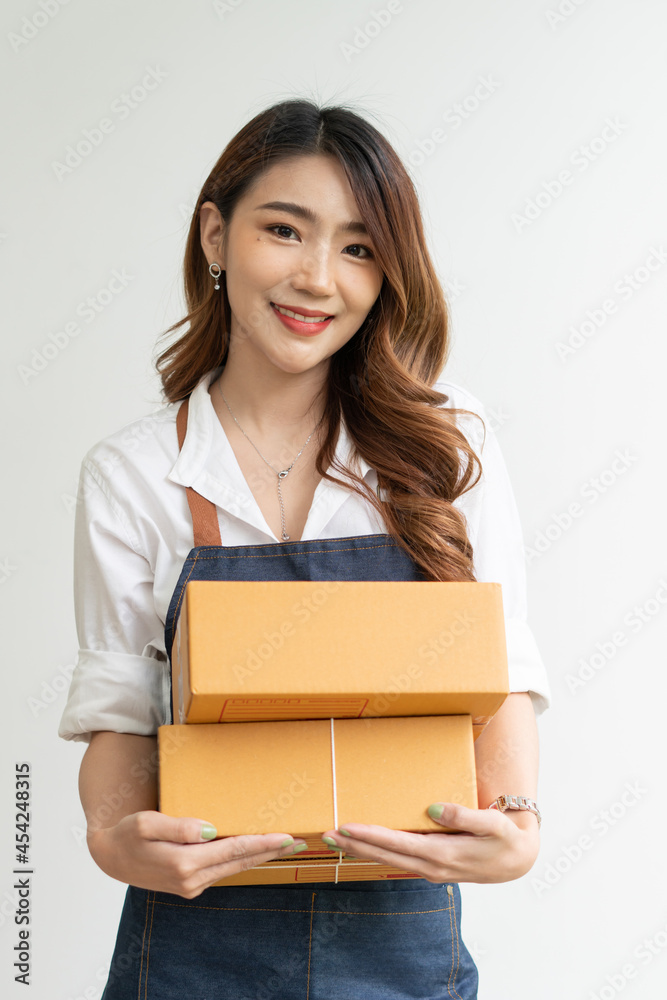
[(436, 810), (345, 833), (331, 842), (286, 843), (208, 832), (299, 847)]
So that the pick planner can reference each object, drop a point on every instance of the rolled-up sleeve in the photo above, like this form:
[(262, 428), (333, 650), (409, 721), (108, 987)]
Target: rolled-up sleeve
[(120, 679), (495, 532)]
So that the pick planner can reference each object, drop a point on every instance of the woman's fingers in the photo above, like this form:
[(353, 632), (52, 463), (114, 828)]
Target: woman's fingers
[(208, 863), (240, 862), (481, 822), (395, 848), (456, 818), (163, 853), (245, 849), (153, 825), (478, 845)]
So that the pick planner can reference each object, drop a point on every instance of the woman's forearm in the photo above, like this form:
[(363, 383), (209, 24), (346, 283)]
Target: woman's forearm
[(118, 776), (507, 756)]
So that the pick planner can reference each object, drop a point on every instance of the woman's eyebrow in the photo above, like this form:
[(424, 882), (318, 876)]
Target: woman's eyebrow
[(307, 213)]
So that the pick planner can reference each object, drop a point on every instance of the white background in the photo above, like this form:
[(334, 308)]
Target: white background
[(517, 290)]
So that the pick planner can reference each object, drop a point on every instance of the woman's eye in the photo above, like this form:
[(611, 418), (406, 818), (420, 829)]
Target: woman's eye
[(280, 226), (368, 253), (359, 246)]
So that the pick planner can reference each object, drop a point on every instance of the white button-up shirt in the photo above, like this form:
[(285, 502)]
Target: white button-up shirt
[(133, 532)]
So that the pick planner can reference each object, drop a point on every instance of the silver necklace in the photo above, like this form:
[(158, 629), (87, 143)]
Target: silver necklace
[(281, 475)]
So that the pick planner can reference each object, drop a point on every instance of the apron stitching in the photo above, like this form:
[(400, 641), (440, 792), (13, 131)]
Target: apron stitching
[(304, 541), (180, 596), (310, 943), (148, 950), (143, 939), (279, 555), (455, 938), (269, 909), (394, 913), (253, 909)]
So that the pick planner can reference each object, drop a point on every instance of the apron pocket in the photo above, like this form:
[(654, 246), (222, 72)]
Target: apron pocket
[(390, 945)]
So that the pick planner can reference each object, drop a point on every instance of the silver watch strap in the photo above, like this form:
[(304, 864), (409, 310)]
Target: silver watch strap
[(504, 802)]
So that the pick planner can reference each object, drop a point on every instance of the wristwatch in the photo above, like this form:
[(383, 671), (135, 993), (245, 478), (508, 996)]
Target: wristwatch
[(504, 802)]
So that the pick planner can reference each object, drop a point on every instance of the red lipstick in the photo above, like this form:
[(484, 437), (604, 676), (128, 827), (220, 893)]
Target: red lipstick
[(298, 326)]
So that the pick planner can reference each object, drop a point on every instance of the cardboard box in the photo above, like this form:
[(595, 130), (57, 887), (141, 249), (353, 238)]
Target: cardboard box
[(283, 650), (315, 871), (270, 777)]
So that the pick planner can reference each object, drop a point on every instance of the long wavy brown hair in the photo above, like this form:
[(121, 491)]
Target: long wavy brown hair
[(381, 380)]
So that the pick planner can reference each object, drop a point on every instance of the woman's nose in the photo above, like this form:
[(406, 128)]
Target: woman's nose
[(315, 274)]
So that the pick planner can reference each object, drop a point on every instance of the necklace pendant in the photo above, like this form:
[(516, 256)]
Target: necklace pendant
[(285, 536)]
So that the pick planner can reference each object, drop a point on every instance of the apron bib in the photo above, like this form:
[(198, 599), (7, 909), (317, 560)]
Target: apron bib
[(367, 940)]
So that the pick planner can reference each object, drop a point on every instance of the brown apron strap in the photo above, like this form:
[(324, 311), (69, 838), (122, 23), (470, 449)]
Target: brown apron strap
[(204, 512)]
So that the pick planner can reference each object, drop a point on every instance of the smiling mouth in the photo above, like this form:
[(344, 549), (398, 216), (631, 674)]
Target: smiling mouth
[(299, 316)]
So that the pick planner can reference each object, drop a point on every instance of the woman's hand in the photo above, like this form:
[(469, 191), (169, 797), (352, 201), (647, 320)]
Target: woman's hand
[(168, 854), (489, 846)]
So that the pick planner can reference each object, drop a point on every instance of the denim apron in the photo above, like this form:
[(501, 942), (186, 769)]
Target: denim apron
[(362, 940)]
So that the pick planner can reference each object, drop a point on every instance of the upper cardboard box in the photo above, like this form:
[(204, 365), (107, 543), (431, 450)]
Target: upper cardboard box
[(248, 651)]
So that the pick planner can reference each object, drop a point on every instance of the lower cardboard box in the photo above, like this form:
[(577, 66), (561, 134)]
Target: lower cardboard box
[(305, 777)]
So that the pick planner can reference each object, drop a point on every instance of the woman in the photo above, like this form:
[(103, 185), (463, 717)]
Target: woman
[(307, 354)]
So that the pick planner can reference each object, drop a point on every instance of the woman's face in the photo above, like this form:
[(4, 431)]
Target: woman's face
[(299, 255)]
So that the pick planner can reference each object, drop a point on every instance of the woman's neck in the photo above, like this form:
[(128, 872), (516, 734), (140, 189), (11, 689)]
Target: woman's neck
[(270, 402)]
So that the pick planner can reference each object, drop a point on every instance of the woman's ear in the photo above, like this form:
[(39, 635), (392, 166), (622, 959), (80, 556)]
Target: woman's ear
[(211, 230)]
